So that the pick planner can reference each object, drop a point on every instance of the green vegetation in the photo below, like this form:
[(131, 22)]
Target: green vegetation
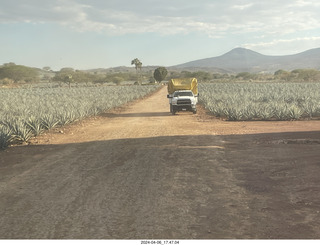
[(138, 65), (12, 74), (18, 73), (160, 74), (261, 101), (70, 76), (201, 76), (25, 113), (298, 75)]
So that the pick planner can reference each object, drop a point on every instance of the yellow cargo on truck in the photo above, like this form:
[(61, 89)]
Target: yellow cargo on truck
[(183, 94)]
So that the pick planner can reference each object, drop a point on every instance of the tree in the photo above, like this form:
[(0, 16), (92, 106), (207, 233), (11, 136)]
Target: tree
[(202, 75), (82, 77), (19, 73), (309, 75), (245, 75), (46, 68), (138, 65), (9, 64), (117, 80), (282, 74), (68, 79), (160, 74), (65, 75)]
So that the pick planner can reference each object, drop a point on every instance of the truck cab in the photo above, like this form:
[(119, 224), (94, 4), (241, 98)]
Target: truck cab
[(183, 100)]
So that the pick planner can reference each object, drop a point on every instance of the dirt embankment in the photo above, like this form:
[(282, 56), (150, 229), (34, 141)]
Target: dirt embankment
[(143, 173)]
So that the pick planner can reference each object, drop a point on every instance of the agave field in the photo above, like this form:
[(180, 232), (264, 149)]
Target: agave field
[(261, 101), (25, 113)]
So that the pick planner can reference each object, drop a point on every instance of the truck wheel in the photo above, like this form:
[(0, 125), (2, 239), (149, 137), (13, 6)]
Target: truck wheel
[(170, 108), (194, 112), (174, 110)]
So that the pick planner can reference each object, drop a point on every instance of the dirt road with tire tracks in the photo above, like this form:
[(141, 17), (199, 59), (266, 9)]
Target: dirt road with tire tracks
[(140, 173)]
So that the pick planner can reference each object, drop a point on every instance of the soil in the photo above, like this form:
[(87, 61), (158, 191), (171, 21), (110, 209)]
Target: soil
[(139, 172)]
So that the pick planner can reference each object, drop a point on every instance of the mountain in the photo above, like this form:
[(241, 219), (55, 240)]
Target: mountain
[(246, 60)]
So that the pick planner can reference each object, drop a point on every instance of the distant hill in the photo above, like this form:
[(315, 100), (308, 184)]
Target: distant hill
[(246, 60)]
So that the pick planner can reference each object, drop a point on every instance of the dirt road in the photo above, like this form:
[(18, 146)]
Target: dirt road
[(141, 173)]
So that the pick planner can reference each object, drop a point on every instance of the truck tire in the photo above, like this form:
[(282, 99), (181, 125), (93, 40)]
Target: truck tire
[(174, 110), (194, 111), (170, 108)]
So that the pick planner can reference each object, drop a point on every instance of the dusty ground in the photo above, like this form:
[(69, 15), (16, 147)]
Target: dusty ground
[(140, 173)]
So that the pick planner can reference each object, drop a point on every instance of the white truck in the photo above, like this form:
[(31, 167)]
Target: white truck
[(183, 95)]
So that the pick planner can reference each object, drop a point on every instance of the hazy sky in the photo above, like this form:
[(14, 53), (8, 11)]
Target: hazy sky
[(107, 33)]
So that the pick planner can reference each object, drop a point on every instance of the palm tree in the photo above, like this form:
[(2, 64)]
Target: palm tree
[(138, 65)]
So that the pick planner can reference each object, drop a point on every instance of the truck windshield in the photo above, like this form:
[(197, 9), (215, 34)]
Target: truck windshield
[(186, 93)]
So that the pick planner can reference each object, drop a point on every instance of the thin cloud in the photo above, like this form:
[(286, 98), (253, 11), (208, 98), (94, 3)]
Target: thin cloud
[(216, 19), (286, 46), (242, 7), (284, 41)]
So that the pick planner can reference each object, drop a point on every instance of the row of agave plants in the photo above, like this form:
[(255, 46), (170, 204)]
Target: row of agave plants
[(261, 101), (25, 113)]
